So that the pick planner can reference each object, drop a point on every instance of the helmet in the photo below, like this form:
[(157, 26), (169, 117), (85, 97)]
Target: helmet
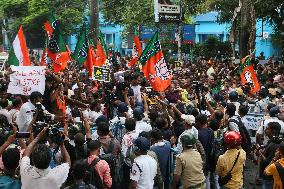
[(232, 139), (233, 96), (188, 140)]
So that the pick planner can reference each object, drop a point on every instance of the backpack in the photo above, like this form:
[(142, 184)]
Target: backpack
[(246, 140), (109, 157), (218, 148), (93, 177), (280, 171), (130, 156), (118, 130)]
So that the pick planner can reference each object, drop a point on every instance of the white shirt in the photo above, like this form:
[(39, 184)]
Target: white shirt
[(193, 131), (25, 116), (14, 114), (261, 129), (31, 177), (137, 93), (143, 171), (128, 139), (232, 125), (143, 126), (94, 115)]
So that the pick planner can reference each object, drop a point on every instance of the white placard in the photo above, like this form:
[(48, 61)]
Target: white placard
[(27, 79), (253, 121)]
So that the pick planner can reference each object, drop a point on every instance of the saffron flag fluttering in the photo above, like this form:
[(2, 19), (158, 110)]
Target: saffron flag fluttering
[(154, 66), (57, 50), (50, 25), (248, 75), (18, 54), (136, 51), (101, 54)]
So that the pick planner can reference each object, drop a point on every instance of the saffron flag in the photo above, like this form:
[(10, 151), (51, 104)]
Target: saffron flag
[(136, 51), (84, 52), (58, 51), (50, 25), (154, 66), (101, 54), (248, 75), (18, 54)]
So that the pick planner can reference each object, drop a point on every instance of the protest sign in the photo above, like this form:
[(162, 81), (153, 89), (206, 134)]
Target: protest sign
[(27, 79), (253, 121), (101, 74)]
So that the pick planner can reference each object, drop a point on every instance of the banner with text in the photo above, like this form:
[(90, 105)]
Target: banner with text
[(27, 79), (102, 74), (253, 121)]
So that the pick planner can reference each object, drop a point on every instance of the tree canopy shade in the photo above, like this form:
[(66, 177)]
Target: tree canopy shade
[(129, 13), (33, 13)]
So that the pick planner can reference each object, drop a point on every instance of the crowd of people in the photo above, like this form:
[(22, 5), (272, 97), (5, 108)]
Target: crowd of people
[(122, 134)]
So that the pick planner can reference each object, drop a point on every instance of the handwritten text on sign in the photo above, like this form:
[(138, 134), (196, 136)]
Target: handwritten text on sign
[(27, 79), (253, 121)]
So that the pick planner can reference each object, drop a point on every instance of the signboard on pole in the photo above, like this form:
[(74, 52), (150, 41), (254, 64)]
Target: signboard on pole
[(166, 11)]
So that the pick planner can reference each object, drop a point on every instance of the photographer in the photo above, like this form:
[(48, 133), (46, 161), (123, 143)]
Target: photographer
[(40, 174), (266, 155), (31, 109), (79, 151), (276, 167)]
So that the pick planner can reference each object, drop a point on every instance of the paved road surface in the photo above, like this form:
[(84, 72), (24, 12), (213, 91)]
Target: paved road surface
[(251, 172)]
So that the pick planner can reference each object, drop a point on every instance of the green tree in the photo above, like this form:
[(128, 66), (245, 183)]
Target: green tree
[(33, 13), (129, 13)]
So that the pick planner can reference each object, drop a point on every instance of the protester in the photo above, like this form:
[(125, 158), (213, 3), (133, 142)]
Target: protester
[(231, 162), (39, 173), (276, 167), (189, 165), (144, 167)]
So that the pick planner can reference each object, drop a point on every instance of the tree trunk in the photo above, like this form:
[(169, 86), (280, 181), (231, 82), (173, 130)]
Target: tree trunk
[(245, 28), (252, 36), (94, 19)]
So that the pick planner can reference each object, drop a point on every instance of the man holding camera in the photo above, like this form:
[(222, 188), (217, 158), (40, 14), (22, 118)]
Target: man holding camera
[(32, 110), (40, 174)]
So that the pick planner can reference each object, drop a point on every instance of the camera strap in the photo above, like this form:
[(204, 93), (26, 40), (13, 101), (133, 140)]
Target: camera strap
[(235, 162)]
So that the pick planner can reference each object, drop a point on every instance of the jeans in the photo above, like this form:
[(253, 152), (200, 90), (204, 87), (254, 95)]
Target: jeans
[(267, 184), (212, 181)]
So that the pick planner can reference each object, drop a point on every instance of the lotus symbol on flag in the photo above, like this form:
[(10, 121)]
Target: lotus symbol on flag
[(248, 77), (161, 70)]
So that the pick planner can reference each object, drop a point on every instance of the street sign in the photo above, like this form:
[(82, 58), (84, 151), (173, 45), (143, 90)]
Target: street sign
[(166, 13)]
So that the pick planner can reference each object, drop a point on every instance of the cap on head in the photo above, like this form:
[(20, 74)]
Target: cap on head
[(273, 112), (189, 119), (239, 91), (233, 96), (188, 140), (122, 108), (142, 143)]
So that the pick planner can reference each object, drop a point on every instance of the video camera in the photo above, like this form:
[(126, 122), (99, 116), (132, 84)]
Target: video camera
[(53, 133), (41, 117)]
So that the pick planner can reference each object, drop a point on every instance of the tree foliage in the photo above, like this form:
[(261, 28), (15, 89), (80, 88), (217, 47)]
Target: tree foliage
[(129, 13), (33, 13)]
